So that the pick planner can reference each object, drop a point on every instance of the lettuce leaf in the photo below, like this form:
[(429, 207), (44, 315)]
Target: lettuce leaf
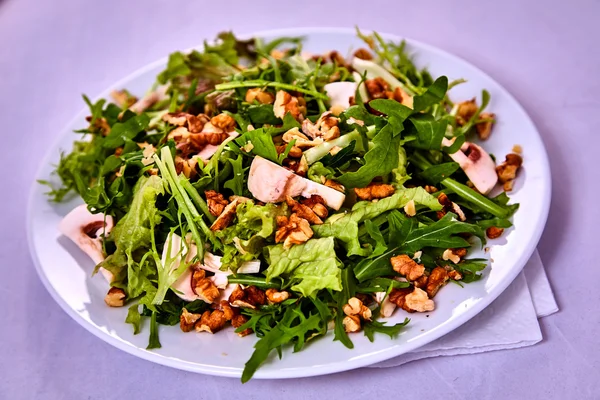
[(313, 264), (133, 236), (344, 227)]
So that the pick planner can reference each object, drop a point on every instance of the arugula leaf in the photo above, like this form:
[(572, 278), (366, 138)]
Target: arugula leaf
[(348, 291), (434, 94), (237, 183), (470, 269), (313, 263), (437, 173), (340, 158), (375, 234), (441, 234), (428, 131), (262, 114), (122, 131), (294, 326), (391, 330), (379, 161)]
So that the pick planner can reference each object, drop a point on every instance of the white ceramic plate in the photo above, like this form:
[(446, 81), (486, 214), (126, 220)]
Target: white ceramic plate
[(66, 271)]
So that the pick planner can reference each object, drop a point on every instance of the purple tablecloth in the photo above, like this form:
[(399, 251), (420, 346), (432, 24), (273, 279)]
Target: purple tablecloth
[(545, 53)]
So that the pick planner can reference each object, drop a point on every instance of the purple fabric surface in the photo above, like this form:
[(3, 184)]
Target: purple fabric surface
[(545, 54)]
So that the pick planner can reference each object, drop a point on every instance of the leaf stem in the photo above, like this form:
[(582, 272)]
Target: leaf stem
[(280, 85)]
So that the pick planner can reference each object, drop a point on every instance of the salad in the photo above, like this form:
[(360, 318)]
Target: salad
[(285, 194)]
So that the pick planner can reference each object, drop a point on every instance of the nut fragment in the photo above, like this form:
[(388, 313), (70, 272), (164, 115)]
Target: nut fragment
[(250, 297), (239, 320), (455, 275), (286, 103), (494, 232), (274, 296), (410, 209), (335, 185), (356, 307), (204, 287), (115, 297), (216, 202), (122, 98), (363, 54), (317, 204), (377, 88), (418, 301), (259, 95), (404, 265), (449, 206), (227, 216), (484, 128), (187, 320), (398, 297), (466, 110), (303, 211), (224, 122), (292, 230), (374, 191), (301, 140), (437, 279), (211, 321), (507, 171), (326, 127), (186, 166), (449, 255), (351, 323)]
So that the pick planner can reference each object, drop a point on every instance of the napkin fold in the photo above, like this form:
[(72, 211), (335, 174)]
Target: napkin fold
[(510, 322)]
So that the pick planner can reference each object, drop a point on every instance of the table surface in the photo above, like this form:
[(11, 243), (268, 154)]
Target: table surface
[(51, 52)]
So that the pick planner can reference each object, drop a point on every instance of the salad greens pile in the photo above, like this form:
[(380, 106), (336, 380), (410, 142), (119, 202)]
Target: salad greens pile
[(141, 163)]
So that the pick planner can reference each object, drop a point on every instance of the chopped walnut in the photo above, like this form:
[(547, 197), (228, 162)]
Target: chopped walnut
[(507, 171), (122, 98), (204, 287), (356, 307), (216, 202), (494, 232), (259, 95), (421, 282), (374, 191), (460, 252), (455, 275), (177, 119), (449, 206), (317, 205), (430, 189), (449, 255), (301, 140), (299, 167), (377, 88), (419, 301), (191, 123), (250, 297), (334, 185), (292, 230), (363, 54), (326, 127), (239, 320), (404, 265), (115, 297), (227, 216), (295, 151), (437, 278), (398, 297), (99, 125), (484, 128), (211, 321), (228, 311), (466, 110), (410, 209), (286, 103), (274, 296), (224, 122), (187, 320), (351, 323), (186, 166), (303, 211)]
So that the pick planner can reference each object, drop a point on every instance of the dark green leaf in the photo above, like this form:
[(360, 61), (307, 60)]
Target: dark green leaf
[(120, 132), (428, 132), (391, 330), (437, 173), (134, 318), (434, 94), (154, 342)]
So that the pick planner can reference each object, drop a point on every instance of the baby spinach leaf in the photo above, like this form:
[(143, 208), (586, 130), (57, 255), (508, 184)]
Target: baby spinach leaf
[(434, 94)]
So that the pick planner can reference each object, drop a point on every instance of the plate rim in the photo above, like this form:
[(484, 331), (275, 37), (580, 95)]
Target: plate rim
[(317, 370)]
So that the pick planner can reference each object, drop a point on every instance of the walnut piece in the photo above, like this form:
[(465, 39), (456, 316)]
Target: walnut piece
[(286, 103), (317, 204), (115, 297), (326, 127), (211, 321), (437, 279), (187, 320), (204, 287), (484, 128), (250, 297), (449, 206), (404, 265), (410, 208), (239, 320), (191, 123), (186, 166), (275, 297), (295, 151), (363, 54), (466, 110), (398, 297), (292, 230), (224, 122), (418, 301), (334, 185), (227, 216), (303, 211), (216, 202), (377, 88), (301, 140), (122, 98), (374, 191), (351, 323), (455, 275), (356, 307), (449, 255), (494, 232), (507, 171), (259, 95)]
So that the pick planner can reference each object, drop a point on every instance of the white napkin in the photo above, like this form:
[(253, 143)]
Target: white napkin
[(511, 321)]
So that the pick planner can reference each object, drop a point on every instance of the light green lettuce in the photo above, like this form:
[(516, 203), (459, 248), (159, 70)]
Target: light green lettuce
[(313, 264), (344, 227)]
